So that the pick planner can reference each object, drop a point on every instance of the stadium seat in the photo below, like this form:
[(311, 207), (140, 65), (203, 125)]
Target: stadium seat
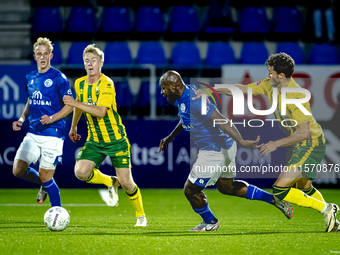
[(123, 97), (151, 53), (186, 53), (220, 53), (149, 23), (324, 54), (292, 49), (254, 53), (75, 61), (57, 54), (184, 23), (186, 59), (218, 25), (117, 53), (75, 53), (81, 24), (288, 24), (47, 22), (253, 24), (115, 24)]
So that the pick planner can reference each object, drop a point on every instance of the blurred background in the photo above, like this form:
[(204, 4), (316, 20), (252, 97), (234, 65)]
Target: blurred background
[(207, 41)]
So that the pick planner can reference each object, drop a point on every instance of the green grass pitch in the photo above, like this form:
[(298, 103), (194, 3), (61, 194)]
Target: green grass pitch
[(247, 227)]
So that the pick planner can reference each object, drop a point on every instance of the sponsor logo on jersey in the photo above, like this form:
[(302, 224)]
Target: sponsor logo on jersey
[(183, 107), (37, 99), (37, 95), (122, 153), (48, 83)]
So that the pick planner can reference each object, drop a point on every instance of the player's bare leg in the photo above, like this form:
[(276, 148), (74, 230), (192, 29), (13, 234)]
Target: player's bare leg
[(85, 171), (199, 204), (283, 189), (22, 170), (133, 192), (229, 186)]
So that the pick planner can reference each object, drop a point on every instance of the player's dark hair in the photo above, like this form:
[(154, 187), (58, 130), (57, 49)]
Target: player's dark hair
[(282, 63)]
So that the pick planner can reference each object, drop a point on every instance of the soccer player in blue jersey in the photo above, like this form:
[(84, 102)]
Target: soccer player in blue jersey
[(45, 88), (217, 148)]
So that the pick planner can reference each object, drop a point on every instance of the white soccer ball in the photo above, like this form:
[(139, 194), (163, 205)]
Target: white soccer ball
[(56, 218)]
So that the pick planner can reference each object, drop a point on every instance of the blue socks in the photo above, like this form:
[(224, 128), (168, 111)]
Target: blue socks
[(205, 213), (52, 190), (254, 193), (32, 175)]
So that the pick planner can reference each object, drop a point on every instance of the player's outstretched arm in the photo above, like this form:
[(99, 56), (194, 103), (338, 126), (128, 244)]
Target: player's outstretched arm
[(302, 133), (94, 110), (73, 130), (16, 125), (66, 110), (232, 131), (165, 141), (223, 91)]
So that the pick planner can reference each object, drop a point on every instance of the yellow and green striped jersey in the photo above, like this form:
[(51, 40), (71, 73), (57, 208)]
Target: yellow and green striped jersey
[(264, 87), (110, 128)]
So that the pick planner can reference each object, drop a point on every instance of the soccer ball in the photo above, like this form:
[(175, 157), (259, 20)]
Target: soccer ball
[(56, 218)]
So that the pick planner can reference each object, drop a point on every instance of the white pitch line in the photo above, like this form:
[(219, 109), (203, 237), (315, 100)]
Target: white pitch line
[(104, 194), (48, 205)]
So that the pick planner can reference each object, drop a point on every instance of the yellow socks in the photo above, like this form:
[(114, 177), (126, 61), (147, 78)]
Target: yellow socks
[(98, 177), (313, 192), (135, 198), (296, 196)]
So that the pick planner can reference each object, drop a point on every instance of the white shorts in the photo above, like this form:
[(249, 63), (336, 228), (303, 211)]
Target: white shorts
[(212, 165), (49, 148)]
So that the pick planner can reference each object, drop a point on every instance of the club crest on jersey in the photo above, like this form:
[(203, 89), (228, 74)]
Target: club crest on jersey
[(48, 83), (183, 107), (97, 91)]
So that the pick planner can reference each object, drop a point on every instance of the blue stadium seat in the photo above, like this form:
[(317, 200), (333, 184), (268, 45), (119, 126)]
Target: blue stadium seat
[(184, 24), (47, 21), (254, 53), (292, 49), (220, 53), (75, 53), (324, 54), (184, 19), (123, 96), (151, 53), (253, 24), (149, 19), (287, 19), (117, 53), (253, 20), (81, 24), (115, 19), (57, 54), (186, 53)]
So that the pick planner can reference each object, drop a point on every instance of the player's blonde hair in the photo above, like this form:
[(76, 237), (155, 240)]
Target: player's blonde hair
[(91, 48), (44, 42)]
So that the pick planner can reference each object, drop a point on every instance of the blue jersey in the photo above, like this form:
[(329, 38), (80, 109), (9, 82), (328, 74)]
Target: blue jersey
[(45, 92), (202, 131)]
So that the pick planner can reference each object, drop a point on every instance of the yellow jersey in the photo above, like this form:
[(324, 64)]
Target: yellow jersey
[(264, 87), (110, 128)]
